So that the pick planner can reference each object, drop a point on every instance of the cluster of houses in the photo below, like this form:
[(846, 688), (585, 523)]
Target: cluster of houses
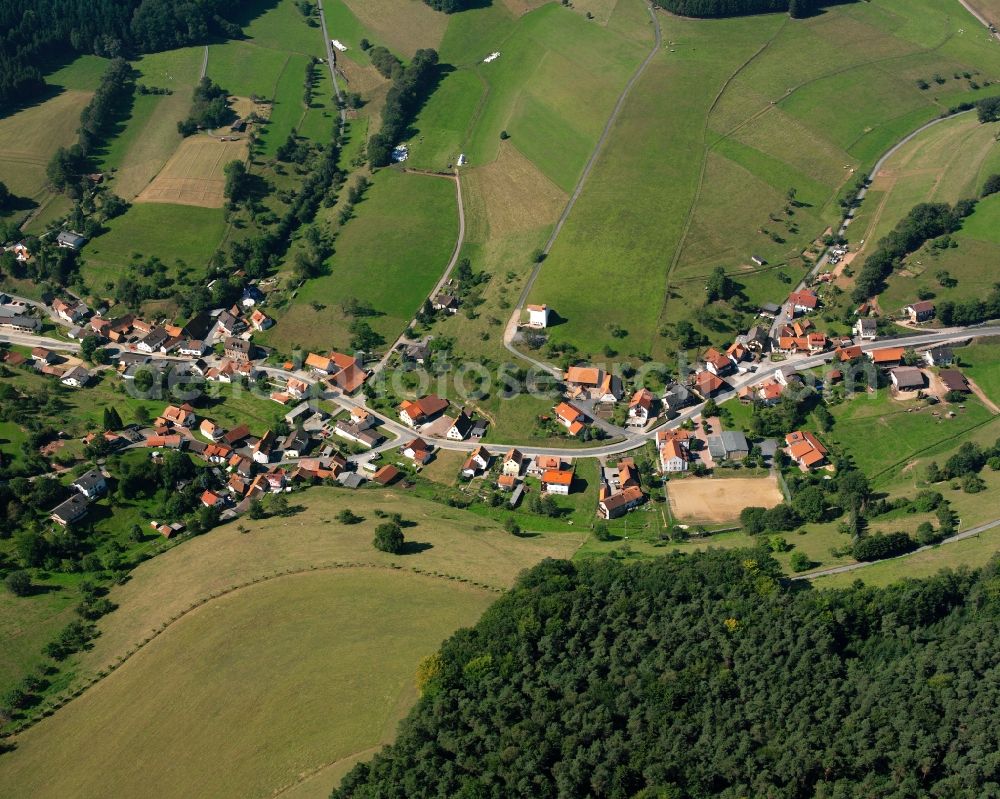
[(427, 414), (16, 316), (620, 490), (47, 362)]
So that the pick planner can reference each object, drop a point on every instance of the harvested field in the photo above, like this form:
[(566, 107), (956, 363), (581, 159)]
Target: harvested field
[(193, 175), (517, 196), (720, 500)]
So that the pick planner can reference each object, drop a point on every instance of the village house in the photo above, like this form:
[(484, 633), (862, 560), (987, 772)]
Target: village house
[(673, 447), (296, 388), (348, 374), (416, 412), (260, 320), (445, 302), (43, 355), (676, 397), (805, 449), (181, 416), (320, 363), (71, 312), (229, 323), (716, 362), (866, 328), (787, 375), (386, 475), (477, 462), (361, 418), (920, 311), (236, 436), (70, 240), (418, 451), (296, 444), (91, 484), (512, 461), (263, 449), (708, 385), (507, 482), (70, 511), (210, 430), (769, 310), (802, 301), (640, 408), (757, 339), (570, 417), (75, 377), (251, 296), (770, 393), (538, 316), (211, 500), (610, 390), (238, 349), (907, 378), (887, 357), (845, 354), (939, 356), (192, 348), (557, 481), (543, 463), (460, 426), (419, 353), (366, 438), (737, 352)]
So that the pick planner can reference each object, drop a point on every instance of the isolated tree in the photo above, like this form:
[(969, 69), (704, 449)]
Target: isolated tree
[(18, 583), (389, 538), (719, 286), (347, 516)]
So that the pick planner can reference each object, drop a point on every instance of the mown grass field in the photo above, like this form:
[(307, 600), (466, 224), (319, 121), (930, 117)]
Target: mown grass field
[(353, 636), (775, 105), (304, 686), (170, 232), (391, 255), (404, 26), (981, 362)]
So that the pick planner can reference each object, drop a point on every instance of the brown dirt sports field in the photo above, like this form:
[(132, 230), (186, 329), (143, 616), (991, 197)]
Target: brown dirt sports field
[(193, 175), (720, 499)]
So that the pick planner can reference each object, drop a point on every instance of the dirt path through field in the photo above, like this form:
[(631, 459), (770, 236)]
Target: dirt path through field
[(990, 404)]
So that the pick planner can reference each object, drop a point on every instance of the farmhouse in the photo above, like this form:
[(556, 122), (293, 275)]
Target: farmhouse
[(805, 449), (412, 413), (538, 316), (348, 375), (260, 320), (543, 463), (261, 451), (182, 416), (954, 380), (728, 445), (845, 354), (20, 323), (420, 352), (610, 390), (887, 357), (907, 378), (582, 379), (69, 311), (91, 484), (296, 444), (229, 323), (367, 438), (386, 475), (320, 363), (920, 311), (866, 328), (570, 417), (236, 435), (72, 510), (460, 426), (43, 355), (802, 301), (557, 481), (613, 505)]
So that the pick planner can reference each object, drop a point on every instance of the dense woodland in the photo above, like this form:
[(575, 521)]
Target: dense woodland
[(739, 8), (707, 676), (32, 31)]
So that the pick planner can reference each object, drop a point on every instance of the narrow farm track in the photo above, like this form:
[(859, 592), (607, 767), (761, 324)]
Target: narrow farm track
[(511, 329), (330, 62), (850, 567)]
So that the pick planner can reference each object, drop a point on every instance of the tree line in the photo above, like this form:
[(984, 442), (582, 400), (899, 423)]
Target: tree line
[(924, 222), (706, 675), (741, 8), (409, 90), (31, 31)]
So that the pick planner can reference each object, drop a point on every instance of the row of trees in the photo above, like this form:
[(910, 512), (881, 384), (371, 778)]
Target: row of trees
[(31, 31), (737, 8), (409, 90), (660, 679)]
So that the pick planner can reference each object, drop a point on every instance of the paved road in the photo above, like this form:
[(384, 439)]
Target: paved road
[(511, 328), (970, 533), (330, 61), (29, 340)]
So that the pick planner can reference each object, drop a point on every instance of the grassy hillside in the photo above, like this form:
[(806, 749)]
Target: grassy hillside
[(272, 633), (766, 104)]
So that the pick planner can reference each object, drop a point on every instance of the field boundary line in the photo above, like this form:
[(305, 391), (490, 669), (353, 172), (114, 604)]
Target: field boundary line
[(159, 630)]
